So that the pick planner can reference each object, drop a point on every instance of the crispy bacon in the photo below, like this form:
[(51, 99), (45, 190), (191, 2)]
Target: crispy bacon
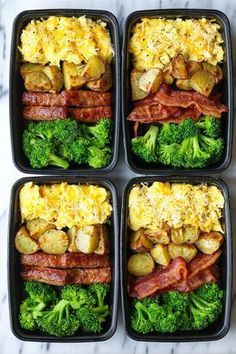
[(202, 261), (92, 114)]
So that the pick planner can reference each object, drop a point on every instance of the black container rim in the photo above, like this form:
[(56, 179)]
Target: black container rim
[(172, 338), (106, 183), (116, 46), (185, 12)]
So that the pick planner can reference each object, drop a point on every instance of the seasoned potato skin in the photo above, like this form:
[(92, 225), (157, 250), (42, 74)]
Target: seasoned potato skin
[(72, 234), (37, 81), (167, 77), (94, 68), (103, 244), (150, 81), (139, 242), (73, 76), (158, 236), (160, 254), (87, 239), (192, 67), (178, 68), (137, 93), (210, 242), (183, 84), (29, 67), (140, 264), (24, 243), (54, 242), (216, 71), (104, 83), (55, 76), (186, 251), (37, 227), (184, 235), (203, 82)]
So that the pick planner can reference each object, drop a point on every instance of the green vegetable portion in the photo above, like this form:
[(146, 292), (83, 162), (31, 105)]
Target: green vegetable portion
[(77, 308), (175, 311), (60, 142), (187, 145)]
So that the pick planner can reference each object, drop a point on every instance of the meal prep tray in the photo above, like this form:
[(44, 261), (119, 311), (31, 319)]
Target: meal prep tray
[(17, 123), (15, 283), (226, 88), (220, 328)]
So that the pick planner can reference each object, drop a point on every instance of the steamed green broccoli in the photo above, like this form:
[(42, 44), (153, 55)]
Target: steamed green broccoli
[(168, 153), (169, 134), (99, 291), (215, 147), (141, 319), (79, 150), (210, 126), (99, 134), (90, 320), (98, 158), (210, 292), (78, 296), (145, 147)]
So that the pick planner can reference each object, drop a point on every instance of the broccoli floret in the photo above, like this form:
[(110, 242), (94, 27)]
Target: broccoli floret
[(40, 292), (215, 147), (100, 291), (40, 152), (99, 158), (79, 150), (78, 296), (167, 154), (176, 300), (99, 134), (145, 147), (65, 130), (166, 319), (210, 126), (141, 319), (60, 320), (210, 292), (191, 154), (187, 128), (170, 133), (91, 322)]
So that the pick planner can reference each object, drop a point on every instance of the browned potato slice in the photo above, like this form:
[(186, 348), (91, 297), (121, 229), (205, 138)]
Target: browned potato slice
[(160, 254), (158, 236), (215, 70), (55, 76), (24, 243), (186, 251), (94, 68), (141, 264), (38, 226), (137, 93), (104, 83), (87, 239), (178, 67), (72, 234), (37, 81), (192, 67), (202, 82), (139, 242), (103, 244), (28, 68), (183, 84), (54, 242), (167, 77), (209, 242), (151, 80), (73, 76), (184, 235)]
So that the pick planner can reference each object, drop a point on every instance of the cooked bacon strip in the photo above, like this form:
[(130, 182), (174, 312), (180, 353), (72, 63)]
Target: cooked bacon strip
[(44, 113), (66, 260), (89, 276), (81, 98), (160, 279), (202, 261), (43, 99), (92, 114), (45, 275)]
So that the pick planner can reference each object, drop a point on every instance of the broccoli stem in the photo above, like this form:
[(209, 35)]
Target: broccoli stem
[(57, 161)]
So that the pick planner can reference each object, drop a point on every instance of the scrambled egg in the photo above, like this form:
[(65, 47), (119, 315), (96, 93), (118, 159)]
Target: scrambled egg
[(155, 41), (65, 205), (65, 38), (178, 204)]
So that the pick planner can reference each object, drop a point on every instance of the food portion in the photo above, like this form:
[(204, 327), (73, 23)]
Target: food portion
[(176, 77), (64, 241), (175, 238), (69, 79)]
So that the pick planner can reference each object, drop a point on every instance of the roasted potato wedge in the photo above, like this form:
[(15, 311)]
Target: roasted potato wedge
[(184, 235), (151, 80), (140, 264), (137, 93), (209, 242), (186, 251), (167, 77), (178, 68), (94, 68), (87, 239), (72, 234), (103, 244), (215, 70), (37, 227), (55, 76), (158, 236), (139, 242), (54, 242), (203, 82), (160, 254), (192, 67), (73, 76), (183, 84), (104, 83), (37, 81), (29, 68), (24, 243)]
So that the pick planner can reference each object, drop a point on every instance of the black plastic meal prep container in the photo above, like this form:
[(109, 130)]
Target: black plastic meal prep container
[(17, 123), (15, 284), (226, 88), (220, 328)]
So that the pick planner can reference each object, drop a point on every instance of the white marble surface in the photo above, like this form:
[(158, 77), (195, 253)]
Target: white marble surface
[(119, 343)]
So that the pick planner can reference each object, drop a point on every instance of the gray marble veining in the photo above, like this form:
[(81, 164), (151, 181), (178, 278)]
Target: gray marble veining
[(119, 343)]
